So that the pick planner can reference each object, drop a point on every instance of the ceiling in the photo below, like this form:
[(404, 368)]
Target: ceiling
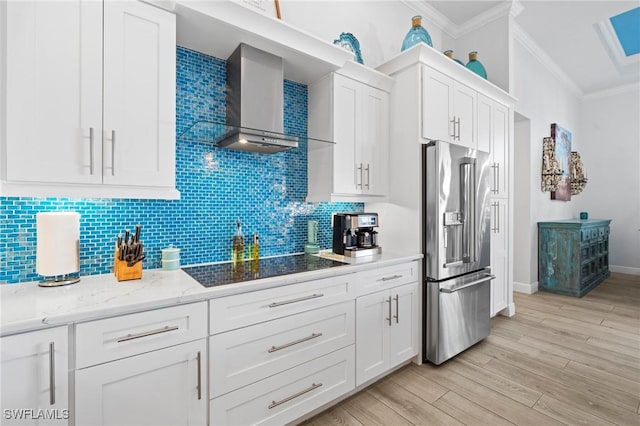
[(572, 34)]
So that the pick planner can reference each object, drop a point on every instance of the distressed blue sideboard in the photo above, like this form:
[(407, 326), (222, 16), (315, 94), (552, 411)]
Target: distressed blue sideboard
[(573, 255)]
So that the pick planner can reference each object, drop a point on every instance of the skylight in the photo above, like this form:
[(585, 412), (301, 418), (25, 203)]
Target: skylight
[(627, 28)]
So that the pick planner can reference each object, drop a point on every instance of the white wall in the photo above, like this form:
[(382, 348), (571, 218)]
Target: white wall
[(544, 99), (610, 150), (379, 26), (523, 267), (492, 44)]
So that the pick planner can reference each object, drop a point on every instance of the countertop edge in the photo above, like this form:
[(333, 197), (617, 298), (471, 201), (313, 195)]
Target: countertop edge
[(186, 290)]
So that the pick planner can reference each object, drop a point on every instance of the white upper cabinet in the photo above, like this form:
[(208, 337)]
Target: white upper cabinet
[(72, 67), (493, 137), (139, 95), (53, 71), (448, 109), (355, 116)]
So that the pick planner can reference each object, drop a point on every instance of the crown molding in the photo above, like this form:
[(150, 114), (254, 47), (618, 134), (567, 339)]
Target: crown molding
[(619, 90), (479, 21), (431, 14), (527, 42)]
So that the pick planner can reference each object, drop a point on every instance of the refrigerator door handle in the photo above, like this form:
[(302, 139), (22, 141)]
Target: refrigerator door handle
[(467, 205), (453, 289)]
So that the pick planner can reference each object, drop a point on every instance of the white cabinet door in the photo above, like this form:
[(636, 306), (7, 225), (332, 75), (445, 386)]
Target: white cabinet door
[(493, 137), (347, 99), (373, 319), (437, 105), (35, 377), (53, 91), (499, 254), (386, 333), (164, 387), (484, 135), (464, 115), (500, 151), (403, 342), (373, 145), (139, 95)]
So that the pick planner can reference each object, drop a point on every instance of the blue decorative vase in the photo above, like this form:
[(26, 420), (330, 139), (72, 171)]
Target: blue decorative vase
[(476, 66), (416, 34), (449, 54)]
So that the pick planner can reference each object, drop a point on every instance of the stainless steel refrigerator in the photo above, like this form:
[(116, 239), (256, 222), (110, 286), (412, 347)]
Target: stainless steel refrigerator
[(456, 247)]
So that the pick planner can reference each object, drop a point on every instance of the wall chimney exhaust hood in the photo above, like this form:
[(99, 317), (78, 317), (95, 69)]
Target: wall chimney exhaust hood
[(257, 46)]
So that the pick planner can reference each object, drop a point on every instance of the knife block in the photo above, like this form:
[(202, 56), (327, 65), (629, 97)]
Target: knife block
[(124, 272)]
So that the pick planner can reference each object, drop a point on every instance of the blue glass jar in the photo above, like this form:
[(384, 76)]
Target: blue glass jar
[(416, 34), (449, 54), (476, 66)]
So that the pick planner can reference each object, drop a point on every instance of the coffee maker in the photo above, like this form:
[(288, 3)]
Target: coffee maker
[(354, 234)]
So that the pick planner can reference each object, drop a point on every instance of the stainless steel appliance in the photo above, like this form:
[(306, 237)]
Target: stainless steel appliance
[(354, 234), (255, 87), (456, 246)]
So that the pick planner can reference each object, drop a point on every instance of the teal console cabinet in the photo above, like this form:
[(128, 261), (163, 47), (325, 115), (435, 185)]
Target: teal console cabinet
[(573, 255)]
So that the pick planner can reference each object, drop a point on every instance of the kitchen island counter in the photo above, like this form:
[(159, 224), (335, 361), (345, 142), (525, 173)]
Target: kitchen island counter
[(26, 307)]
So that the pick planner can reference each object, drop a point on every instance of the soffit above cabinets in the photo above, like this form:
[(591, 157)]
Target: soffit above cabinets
[(216, 28)]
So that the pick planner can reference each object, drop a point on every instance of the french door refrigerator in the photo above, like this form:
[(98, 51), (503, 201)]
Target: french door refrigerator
[(456, 247)]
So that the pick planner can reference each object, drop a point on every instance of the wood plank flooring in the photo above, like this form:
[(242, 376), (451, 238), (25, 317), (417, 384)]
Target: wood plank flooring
[(559, 361)]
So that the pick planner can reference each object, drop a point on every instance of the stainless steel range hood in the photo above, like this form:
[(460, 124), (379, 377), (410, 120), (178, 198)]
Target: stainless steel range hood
[(255, 89)]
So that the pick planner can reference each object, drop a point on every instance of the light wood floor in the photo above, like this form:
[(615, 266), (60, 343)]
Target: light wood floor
[(559, 360)]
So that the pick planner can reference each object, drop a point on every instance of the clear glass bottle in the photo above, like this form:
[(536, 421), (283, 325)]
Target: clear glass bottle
[(475, 65), (255, 249), (416, 34), (237, 251)]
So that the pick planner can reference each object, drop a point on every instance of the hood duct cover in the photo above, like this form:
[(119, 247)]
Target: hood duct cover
[(255, 90)]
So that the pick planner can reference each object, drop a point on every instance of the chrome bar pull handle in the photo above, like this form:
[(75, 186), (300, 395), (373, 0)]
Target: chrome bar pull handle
[(313, 386), (300, 299), (147, 333), (199, 358), (498, 217), (52, 373), (367, 169), (397, 315), (458, 123), (392, 277), (453, 127), (390, 315), (91, 142), (295, 342), (497, 178), (495, 181), (113, 153)]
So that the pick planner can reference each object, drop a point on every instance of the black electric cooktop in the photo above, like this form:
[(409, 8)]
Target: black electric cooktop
[(227, 273)]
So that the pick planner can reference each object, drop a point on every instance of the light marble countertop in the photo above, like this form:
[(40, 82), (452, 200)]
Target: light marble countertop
[(26, 306)]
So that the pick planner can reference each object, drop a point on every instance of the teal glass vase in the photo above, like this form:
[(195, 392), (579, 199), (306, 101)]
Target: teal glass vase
[(449, 54), (416, 34), (476, 66)]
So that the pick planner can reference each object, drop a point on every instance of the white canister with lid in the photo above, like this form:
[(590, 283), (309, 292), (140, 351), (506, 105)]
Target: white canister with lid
[(170, 258)]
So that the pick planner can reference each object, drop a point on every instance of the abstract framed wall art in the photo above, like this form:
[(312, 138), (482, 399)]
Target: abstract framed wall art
[(562, 138)]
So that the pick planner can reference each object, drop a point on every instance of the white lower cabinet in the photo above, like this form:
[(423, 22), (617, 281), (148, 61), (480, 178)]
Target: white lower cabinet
[(287, 396), (164, 387), (499, 255), (247, 355), (386, 330), (34, 379), (146, 368)]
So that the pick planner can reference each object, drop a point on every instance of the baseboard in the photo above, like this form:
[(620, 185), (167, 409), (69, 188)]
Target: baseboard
[(525, 288), (509, 311), (624, 270)]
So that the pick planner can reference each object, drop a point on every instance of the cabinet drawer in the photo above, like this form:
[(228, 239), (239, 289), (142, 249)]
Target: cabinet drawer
[(289, 395), (228, 313), (386, 277), (250, 354), (119, 337)]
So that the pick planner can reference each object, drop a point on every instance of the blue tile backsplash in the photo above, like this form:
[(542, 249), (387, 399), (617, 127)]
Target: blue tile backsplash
[(217, 186)]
